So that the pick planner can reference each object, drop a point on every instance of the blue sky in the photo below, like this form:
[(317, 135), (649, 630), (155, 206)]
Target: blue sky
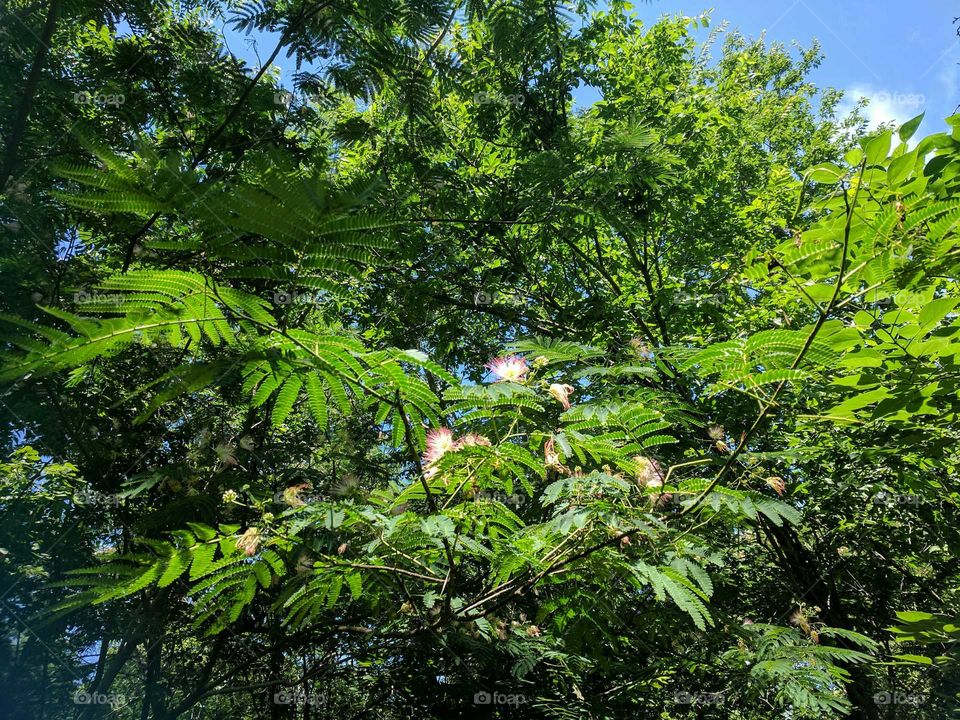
[(904, 58)]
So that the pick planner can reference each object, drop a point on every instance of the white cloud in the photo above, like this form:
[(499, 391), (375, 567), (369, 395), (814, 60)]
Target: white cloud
[(885, 106)]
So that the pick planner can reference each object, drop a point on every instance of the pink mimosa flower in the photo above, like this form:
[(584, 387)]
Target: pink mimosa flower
[(511, 368), (470, 440), (439, 441), (649, 473)]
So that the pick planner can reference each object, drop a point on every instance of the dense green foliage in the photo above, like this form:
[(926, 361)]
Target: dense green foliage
[(412, 391)]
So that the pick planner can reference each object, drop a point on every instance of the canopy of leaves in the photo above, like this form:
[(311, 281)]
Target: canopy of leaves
[(413, 390)]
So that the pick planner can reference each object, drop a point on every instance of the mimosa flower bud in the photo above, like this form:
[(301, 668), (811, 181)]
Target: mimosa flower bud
[(551, 458), (562, 394), (778, 484), (249, 542), (291, 496)]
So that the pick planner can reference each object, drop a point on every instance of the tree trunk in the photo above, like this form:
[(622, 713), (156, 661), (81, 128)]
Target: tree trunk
[(19, 126)]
